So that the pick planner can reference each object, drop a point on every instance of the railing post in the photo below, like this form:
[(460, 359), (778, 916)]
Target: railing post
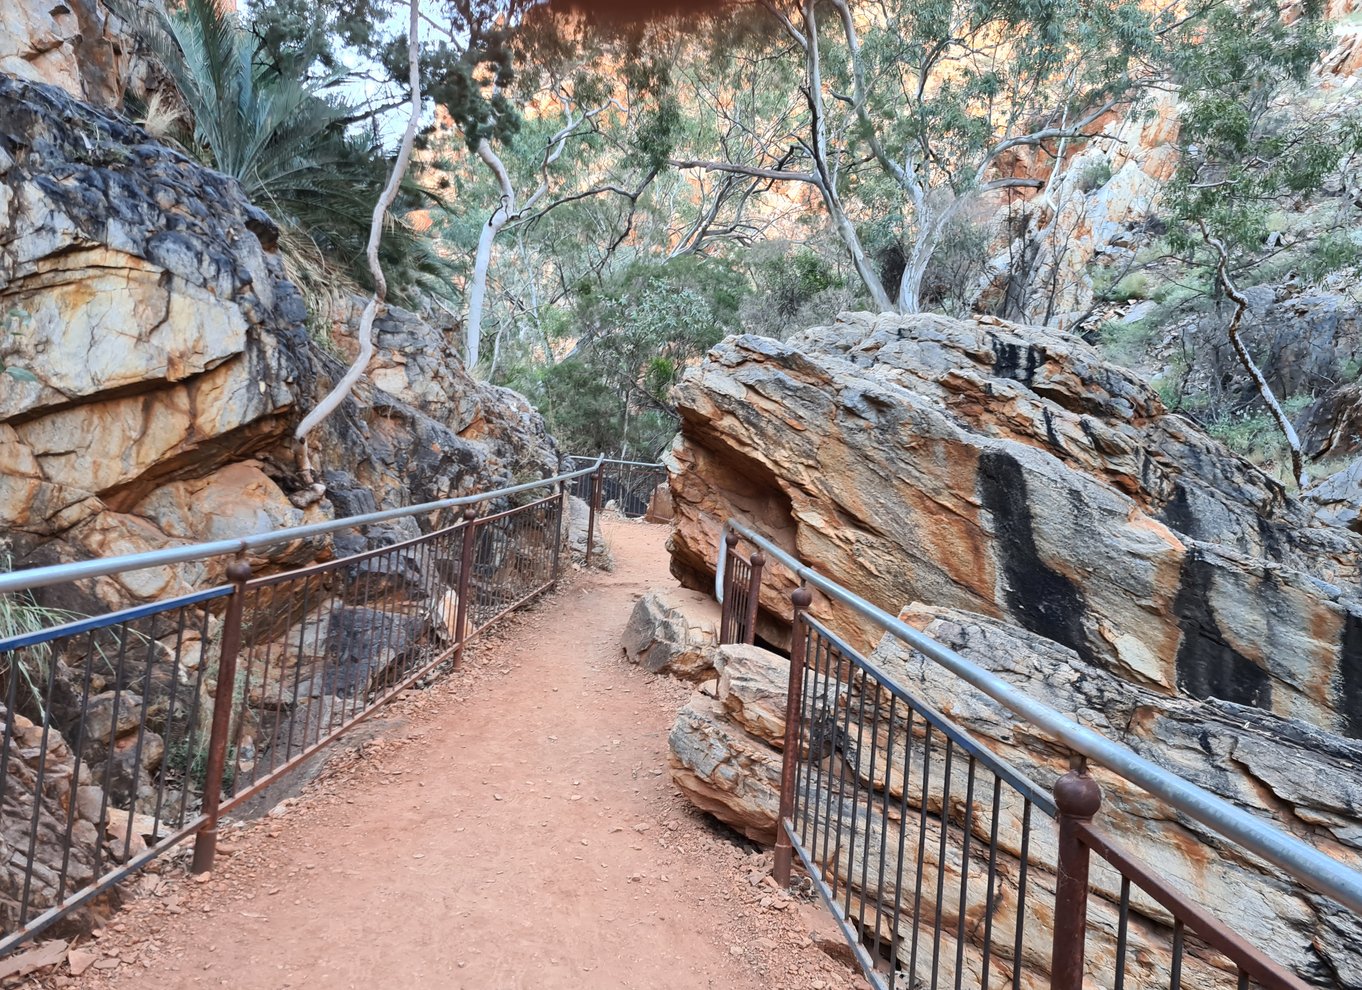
[(206, 841), (800, 598), (726, 611), (597, 479), (558, 534), (470, 515), (1077, 798), (755, 564)]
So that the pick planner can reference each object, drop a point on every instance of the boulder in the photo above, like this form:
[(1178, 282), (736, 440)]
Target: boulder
[(1290, 774), (722, 748), (724, 770), (576, 521), (1338, 498), (660, 505), (1332, 425), (1010, 471), (674, 631)]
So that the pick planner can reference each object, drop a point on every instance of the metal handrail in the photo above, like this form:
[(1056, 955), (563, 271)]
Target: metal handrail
[(39, 577), (1312, 868), (616, 460)]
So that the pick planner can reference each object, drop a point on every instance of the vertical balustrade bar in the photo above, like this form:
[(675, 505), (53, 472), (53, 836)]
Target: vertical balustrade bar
[(1077, 798), (801, 599), (465, 584), (726, 616), (755, 564), (206, 842), (559, 512), (597, 480)]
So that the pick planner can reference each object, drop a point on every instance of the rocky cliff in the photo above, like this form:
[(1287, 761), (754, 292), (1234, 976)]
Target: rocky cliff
[(1010, 472), (163, 359)]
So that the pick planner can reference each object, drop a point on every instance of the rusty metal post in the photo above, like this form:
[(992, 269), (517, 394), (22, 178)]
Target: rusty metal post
[(597, 480), (558, 534), (1077, 798), (470, 515), (800, 598), (755, 564), (726, 611), (206, 841)]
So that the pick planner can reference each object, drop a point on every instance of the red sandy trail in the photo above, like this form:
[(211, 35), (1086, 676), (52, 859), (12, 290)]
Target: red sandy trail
[(513, 826)]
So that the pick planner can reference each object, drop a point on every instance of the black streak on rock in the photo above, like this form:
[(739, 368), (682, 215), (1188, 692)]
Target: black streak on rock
[(1208, 666), (1042, 600), (1007, 361), (1350, 675)]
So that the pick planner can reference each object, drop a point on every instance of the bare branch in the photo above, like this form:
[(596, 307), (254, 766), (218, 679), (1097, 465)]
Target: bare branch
[(364, 334)]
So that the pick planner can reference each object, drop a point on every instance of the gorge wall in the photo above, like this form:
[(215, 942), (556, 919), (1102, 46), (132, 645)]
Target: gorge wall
[(1010, 472), (1039, 511), (163, 360)]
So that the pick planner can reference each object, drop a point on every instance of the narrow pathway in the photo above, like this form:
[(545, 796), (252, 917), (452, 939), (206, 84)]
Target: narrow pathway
[(514, 826)]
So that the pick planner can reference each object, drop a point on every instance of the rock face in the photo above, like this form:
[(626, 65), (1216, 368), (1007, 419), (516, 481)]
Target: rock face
[(197, 365), (1009, 471), (77, 45)]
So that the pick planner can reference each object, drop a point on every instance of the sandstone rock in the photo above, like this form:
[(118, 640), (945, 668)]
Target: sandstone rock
[(1338, 498), (724, 770), (660, 505), (38, 818), (753, 687), (1290, 774), (576, 521), (198, 365), (112, 714), (1332, 426), (1010, 471), (77, 45), (674, 631)]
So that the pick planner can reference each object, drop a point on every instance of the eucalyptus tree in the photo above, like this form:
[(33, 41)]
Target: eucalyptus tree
[(1248, 149), (909, 111)]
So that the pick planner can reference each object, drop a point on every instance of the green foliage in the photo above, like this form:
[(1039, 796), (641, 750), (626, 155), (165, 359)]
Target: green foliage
[(1254, 434), (1334, 252), (1094, 175), (1132, 286), (1126, 343), (188, 761), (287, 139), (636, 333), (1243, 151), (792, 280)]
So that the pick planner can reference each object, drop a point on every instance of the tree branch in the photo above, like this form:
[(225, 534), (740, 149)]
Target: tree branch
[(364, 334)]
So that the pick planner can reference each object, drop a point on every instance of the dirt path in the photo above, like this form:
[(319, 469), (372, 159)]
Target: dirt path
[(515, 827)]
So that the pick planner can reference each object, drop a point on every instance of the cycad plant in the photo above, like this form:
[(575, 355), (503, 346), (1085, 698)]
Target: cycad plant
[(292, 145)]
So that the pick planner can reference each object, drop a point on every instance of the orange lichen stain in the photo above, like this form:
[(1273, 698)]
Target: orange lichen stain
[(1326, 627), (1138, 520), (794, 424)]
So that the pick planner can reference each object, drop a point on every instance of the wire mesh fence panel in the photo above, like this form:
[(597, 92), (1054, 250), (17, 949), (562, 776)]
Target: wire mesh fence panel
[(104, 720), (127, 733)]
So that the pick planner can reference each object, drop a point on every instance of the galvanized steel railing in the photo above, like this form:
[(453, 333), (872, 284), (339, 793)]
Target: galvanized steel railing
[(126, 733), (895, 813)]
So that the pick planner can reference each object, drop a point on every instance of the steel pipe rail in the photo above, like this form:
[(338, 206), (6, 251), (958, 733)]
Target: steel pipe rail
[(40, 577), (1308, 865)]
